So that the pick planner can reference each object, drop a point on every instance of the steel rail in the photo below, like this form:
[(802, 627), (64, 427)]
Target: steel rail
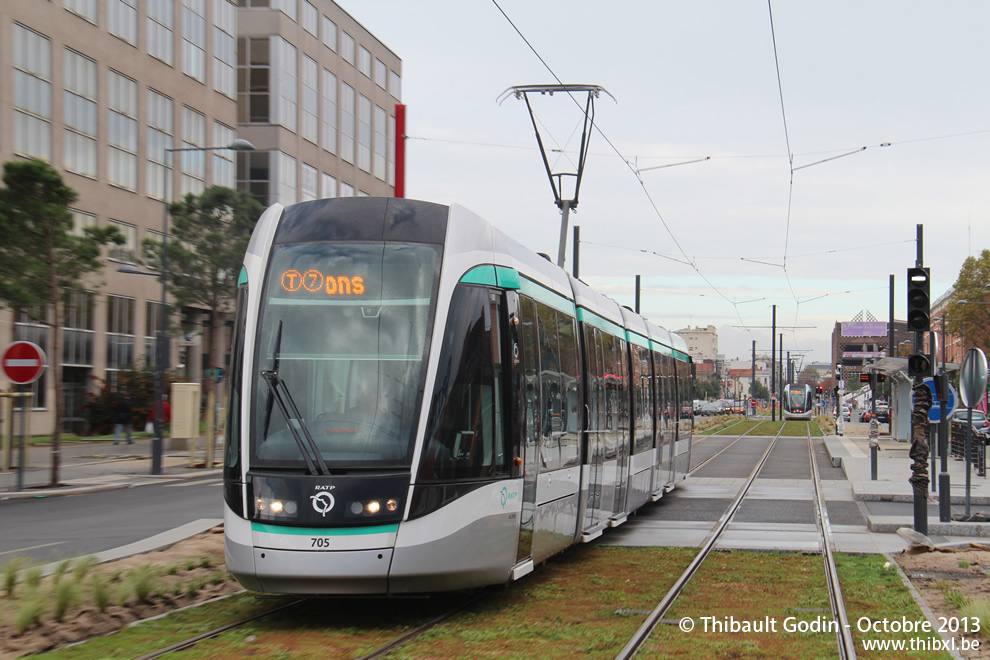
[(641, 635), (844, 638)]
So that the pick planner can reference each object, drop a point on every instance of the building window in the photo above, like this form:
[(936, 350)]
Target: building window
[(194, 39), (30, 326), (193, 162), (77, 336), (160, 133), (32, 93), (310, 177), (379, 143), (254, 174), (160, 23), (287, 7), (287, 83), (329, 187), (347, 122), (310, 17), (253, 88), (346, 190), (122, 19), (81, 220), (390, 152), (286, 179), (120, 336), (127, 251), (364, 61), (329, 113), (347, 47), (381, 73), (329, 34), (223, 159), (225, 47), (80, 113), (395, 85), (84, 8), (122, 112), (310, 100), (364, 133)]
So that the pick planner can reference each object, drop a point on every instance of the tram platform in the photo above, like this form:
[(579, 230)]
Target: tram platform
[(851, 452)]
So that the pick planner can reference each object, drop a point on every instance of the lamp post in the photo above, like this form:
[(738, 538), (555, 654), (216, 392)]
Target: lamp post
[(161, 338)]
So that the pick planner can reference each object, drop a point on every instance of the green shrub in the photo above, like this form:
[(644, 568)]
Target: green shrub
[(60, 570), (101, 593), (30, 611), (143, 581), (32, 577), (82, 567), (10, 572), (66, 595), (980, 609)]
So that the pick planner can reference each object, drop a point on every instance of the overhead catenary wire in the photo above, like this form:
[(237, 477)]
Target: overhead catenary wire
[(626, 161)]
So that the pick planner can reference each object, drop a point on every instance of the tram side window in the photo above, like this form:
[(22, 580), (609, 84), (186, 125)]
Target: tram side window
[(596, 380), (570, 377), (613, 395), (464, 439), (642, 397)]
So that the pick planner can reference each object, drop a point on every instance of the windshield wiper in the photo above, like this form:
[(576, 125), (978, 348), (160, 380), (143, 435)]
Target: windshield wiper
[(281, 395)]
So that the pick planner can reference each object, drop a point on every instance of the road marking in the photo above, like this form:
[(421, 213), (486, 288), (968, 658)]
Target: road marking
[(208, 482), (33, 547)]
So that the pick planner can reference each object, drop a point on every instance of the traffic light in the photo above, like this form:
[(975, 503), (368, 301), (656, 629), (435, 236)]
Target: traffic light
[(919, 300), (919, 366)]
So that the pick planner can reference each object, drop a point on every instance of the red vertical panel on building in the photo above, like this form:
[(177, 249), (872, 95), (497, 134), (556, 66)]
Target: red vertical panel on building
[(400, 150)]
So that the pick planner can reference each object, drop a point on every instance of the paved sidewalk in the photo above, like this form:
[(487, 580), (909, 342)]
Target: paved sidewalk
[(852, 452), (96, 465)]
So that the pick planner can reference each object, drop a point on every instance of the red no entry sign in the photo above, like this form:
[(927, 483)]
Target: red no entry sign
[(23, 362)]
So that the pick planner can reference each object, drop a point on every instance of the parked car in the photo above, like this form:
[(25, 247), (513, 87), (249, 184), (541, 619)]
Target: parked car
[(846, 413), (959, 416), (864, 416), (883, 414)]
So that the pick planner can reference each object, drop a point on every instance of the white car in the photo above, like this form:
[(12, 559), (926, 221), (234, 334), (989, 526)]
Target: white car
[(846, 414)]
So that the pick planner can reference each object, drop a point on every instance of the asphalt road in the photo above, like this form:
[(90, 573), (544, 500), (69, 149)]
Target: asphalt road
[(53, 528)]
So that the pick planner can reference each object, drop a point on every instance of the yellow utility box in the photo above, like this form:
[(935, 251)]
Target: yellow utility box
[(185, 414)]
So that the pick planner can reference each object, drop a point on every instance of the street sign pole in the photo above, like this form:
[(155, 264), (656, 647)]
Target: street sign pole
[(21, 451)]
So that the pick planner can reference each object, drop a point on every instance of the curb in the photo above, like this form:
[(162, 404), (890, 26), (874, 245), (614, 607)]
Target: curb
[(890, 525), (69, 488)]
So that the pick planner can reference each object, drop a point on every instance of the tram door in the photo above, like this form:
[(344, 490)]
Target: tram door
[(595, 423), (524, 337)]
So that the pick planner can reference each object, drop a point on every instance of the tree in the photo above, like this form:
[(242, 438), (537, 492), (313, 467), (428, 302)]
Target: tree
[(808, 376), (41, 259), (212, 232), (759, 391), (971, 322)]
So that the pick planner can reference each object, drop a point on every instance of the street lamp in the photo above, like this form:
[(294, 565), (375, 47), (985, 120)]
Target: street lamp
[(161, 339)]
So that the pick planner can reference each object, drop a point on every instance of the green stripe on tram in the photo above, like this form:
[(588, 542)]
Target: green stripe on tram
[(324, 531), (242, 277), (590, 318)]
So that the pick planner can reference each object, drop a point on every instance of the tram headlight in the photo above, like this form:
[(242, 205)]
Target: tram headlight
[(275, 509), (372, 508)]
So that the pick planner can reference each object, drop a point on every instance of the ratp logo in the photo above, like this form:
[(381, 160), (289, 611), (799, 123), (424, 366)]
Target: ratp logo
[(505, 495), (322, 502)]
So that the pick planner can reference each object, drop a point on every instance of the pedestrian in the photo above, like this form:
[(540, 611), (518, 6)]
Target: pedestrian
[(123, 419)]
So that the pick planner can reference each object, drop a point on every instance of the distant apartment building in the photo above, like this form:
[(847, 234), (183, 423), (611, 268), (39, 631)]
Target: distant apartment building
[(101, 88), (701, 342), (859, 342)]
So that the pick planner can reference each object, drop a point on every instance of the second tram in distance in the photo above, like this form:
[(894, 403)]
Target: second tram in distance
[(799, 402), (418, 403)]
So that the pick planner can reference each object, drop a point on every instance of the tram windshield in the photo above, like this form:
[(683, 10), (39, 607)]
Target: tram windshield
[(798, 398), (340, 354)]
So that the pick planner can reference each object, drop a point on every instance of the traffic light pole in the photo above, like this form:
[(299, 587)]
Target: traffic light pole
[(919, 320)]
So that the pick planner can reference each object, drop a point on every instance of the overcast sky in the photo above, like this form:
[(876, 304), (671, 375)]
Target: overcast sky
[(699, 80)]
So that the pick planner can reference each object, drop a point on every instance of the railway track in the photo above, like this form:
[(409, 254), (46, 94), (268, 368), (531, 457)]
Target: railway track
[(844, 641), (380, 651)]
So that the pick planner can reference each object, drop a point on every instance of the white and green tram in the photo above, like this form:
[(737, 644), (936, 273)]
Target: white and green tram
[(419, 403)]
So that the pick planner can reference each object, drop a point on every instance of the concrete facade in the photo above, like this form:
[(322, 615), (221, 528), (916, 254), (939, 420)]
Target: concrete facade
[(100, 88)]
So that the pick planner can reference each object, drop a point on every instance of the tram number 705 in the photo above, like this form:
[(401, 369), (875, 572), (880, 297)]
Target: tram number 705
[(320, 542)]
